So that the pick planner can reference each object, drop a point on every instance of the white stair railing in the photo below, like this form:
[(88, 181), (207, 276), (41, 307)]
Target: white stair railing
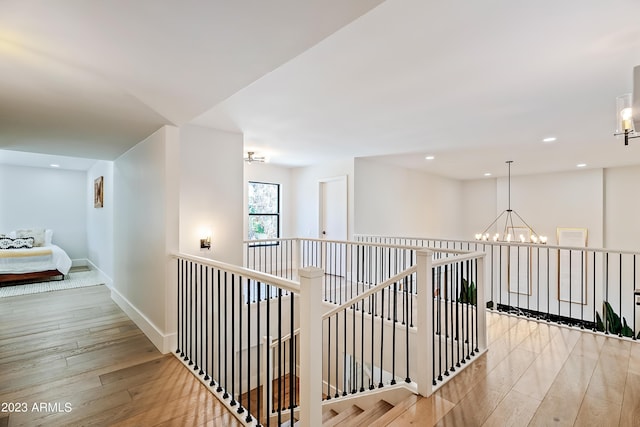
[(230, 318), (583, 287)]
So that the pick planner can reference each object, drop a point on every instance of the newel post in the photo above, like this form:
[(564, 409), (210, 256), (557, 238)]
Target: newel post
[(311, 311), (424, 323)]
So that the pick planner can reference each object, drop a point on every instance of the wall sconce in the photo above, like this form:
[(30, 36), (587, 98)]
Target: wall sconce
[(205, 240), (624, 118)]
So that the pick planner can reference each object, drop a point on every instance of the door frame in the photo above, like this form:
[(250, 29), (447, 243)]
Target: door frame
[(321, 204)]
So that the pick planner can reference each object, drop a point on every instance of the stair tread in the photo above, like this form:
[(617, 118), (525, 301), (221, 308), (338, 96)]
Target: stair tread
[(328, 414), (351, 411), (396, 411), (369, 415)]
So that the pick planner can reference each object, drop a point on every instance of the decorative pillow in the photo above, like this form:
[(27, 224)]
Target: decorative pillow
[(48, 237), (17, 243), (36, 233)]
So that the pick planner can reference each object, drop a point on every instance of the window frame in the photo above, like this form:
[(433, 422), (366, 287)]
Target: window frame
[(277, 214)]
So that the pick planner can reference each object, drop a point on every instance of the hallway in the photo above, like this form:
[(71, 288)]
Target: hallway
[(76, 352)]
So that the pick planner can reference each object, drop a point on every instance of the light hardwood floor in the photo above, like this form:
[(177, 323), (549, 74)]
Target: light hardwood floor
[(77, 347), (537, 374)]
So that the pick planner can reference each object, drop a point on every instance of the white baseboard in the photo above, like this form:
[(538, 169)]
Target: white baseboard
[(80, 262), (107, 280), (166, 343)]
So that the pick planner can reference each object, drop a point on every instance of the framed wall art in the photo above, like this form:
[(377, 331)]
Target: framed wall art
[(98, 192), (572, 265)]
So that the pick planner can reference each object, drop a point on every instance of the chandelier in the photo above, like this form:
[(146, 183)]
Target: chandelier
[(518, 231)]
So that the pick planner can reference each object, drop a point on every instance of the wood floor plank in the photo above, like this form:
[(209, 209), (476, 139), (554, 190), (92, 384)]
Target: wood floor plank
[(597, 412), (538, 378), (475, 407), (426, 411), (608, 379), (512, 367), (371, 414), (153, 369), (199, 403), (630, 411), (554, 411), (516, 409), (574, 378), (399, 409)]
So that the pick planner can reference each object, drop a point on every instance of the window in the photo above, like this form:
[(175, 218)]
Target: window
[(264, 210)]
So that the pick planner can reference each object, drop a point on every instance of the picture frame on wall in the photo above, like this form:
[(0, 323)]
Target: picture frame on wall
[(572, 265), (98, 192)]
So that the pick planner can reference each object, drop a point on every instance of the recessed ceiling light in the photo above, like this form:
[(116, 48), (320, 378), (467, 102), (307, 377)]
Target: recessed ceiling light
[(54, 165), (549, 139), (429, 157), (487, 174), (581, 165)]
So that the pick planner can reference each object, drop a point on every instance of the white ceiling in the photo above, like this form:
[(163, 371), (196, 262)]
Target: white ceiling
[(472, 83)]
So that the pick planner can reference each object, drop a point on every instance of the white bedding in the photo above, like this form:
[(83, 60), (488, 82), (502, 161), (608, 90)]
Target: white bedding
[(17, 261)]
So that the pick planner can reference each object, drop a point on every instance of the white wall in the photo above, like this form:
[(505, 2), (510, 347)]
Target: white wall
[(479, 204), (100, 221), (51, 198), (395, 201), (211, 192), (264, 172), (391, 200), (146, 199), (622, 208), (306, 195), (549, 201)]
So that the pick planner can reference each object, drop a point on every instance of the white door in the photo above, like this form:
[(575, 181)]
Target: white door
[(333, 208), (333, 225)]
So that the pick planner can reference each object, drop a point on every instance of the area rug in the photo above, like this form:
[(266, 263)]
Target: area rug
[(75, 279)]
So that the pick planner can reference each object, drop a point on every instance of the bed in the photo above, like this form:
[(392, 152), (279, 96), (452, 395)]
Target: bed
[(28, 255)]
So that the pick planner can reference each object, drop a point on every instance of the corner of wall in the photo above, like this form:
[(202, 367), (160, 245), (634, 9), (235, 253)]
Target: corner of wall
[(165, 343)]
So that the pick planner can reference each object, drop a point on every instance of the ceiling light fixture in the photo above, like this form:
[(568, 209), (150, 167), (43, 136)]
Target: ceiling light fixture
[(252, 158), (54, 165), (429, 157), (581, 165), (518, 231), (550, 139), (624, 118), (487, 174)]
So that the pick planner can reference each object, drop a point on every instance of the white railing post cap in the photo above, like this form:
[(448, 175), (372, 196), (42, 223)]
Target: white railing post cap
[(311, 272)]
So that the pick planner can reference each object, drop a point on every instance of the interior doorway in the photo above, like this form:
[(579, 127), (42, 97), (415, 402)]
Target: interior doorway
[(333, 225), (333, 208)]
